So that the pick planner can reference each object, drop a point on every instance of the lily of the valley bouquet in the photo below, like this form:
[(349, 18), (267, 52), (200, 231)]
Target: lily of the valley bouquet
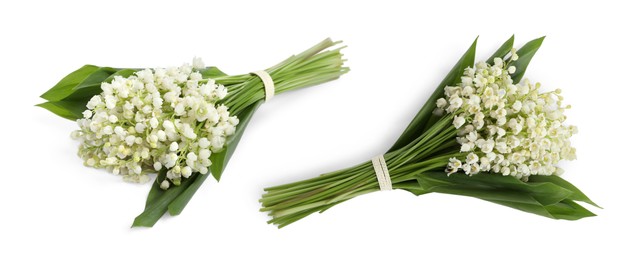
[(182, 123), (486, 132)]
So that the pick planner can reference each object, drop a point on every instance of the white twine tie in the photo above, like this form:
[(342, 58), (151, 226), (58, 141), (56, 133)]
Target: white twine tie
[(381, 172), (268, 83)]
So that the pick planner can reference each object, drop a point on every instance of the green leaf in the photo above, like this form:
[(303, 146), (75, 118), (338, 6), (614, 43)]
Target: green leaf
[(503, 50), (417, 125), (65, 86), (566, 209), (156, 190), (91, 86), (218, 163), (547, 196), (220, 160), (525, 56), (532, 207), (71, 110), (159, 205), (545, 192), (511, 198), (212, 72), (486, 194), (96, 78), (177, 205), (570, 210), (577, 194)]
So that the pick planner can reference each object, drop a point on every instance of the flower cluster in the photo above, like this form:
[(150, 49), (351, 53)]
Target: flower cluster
[(163, 118), (506, 128)]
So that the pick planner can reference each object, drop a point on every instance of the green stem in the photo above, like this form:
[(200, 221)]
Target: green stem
[(312, 67), (292, 202)]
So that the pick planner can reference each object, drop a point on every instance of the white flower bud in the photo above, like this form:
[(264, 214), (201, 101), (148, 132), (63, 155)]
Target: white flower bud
[(234, 121), (174, 146), (168, 124), (171, 160), (139, 127), (441, 103), (204, 154), (157, 166), (459, 121), (110, 101), (179, 109), (165, 184), (466, 147), (186, 172), (87, 114), (204, 143), (130, 140), (191, 156), (188, 132), (154, 123)]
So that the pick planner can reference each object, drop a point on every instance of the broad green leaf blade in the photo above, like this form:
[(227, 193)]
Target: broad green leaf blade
[(577, 194), (71, 110), (218, 164), (220, 160), (159, 205), (156, 191), (212, 72), (486, 194), (96, 78), (65, 86), (514, 199), (503, 50), (91, 86), (566, 209), (177, 205), (569, 210), (545, 192), (417, 125), (525, 56), (534, 208), (540, 197)]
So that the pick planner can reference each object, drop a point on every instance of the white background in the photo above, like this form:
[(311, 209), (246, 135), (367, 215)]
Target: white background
[(52, 206)]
